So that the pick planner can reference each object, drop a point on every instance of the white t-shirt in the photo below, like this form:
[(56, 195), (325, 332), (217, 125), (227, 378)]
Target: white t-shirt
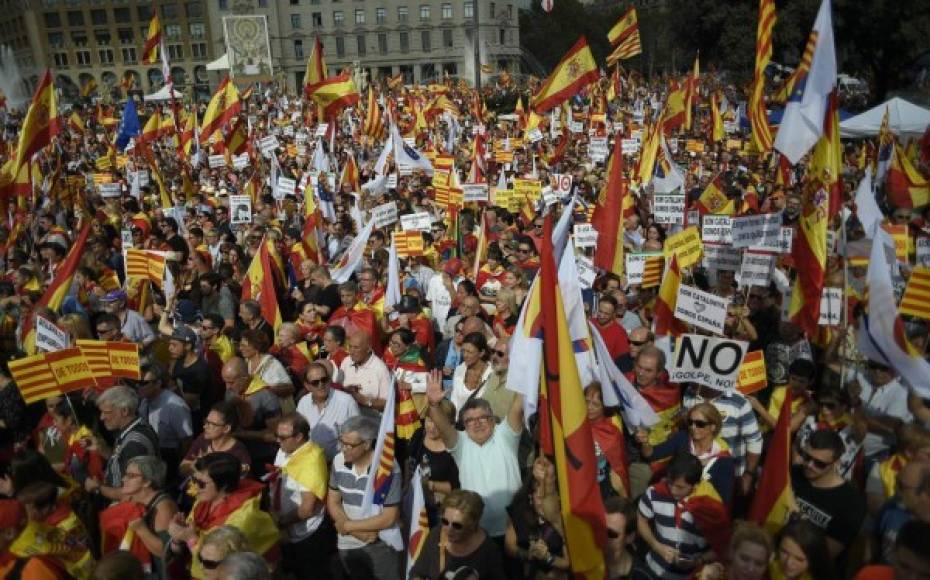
[(290, 501), (889, 400), (460, 392), (439, 299)]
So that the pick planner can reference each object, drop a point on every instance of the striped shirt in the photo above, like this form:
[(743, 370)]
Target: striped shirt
[(684, 535), (351, 485), (740, 427)]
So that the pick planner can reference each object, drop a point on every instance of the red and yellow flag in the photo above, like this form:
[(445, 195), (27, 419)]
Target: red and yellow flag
[(675, 113), (624, 27), (691, 89), (565, 431), (614, 205), (41, 122), (316, 67), (758, 117), (905, 185), (259, 284), (801, 72), (716, 119), (334, 94), (350, 174), (773, 501), (237, 141), (152, 42), (373, 126), (223, 107), (714, 200), (51, 374), (145, 264), (664, 321), (150, 131), (576, 69), (186, 138), (916, 300)]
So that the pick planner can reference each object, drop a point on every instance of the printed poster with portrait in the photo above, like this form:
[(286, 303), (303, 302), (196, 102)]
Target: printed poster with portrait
[(248, 48)]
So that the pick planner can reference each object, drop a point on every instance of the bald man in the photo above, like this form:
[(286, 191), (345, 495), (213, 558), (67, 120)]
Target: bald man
[(365, 376)]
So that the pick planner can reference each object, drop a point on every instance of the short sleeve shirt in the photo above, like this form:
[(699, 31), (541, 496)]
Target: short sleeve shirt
[(351, 486)]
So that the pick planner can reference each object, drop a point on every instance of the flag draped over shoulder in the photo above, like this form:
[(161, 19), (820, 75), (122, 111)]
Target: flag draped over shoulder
[(772, 503), (566, 432), (613, 206), (114, 527), (758, 117), (576, 69)]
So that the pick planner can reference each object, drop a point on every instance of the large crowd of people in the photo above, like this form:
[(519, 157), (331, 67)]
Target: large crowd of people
[(245, 447)]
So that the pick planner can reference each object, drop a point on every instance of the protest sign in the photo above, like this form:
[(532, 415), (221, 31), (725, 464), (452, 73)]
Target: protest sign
[(586, 271), (561, 184), (781, 245), (474, 192), (716, 229), (686, 245), (669, 209), (831, 307), (49, 337), (420, 221), (753, 230), (125, 238), (718, 257), (267, 145), (527, 188), (286, 186), (629, 146), (585, 236), (240, 162), (644, 268), (109, 189), (534, 135), (384, 214), (215, 161), (923, 251), (702, 309), (321, 130), (752, 375), (111, 359), (756, 269), (576, 126), (241, 209), (391, 182), (51, 374), (706, 360)]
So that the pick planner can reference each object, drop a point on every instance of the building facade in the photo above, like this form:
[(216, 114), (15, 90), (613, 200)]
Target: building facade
[(422, 39)]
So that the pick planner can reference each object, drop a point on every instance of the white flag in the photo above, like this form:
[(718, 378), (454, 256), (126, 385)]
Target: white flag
[(353, 255)]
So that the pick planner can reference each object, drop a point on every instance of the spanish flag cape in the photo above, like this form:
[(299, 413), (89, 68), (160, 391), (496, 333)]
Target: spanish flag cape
[(608, 434), (375, 300), (116, 535), (92, 461), (240, 509), (709, 513), (306, 466), (359, 317), (406, 418), (67, 548), (486, 274), (665, 400)]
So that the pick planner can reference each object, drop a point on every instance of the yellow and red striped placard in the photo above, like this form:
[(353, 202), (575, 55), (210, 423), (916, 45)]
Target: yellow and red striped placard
[(652, 271), (145, 265), (408, 244), (916, 300), (111, 359), (50, 374), (752, 375)]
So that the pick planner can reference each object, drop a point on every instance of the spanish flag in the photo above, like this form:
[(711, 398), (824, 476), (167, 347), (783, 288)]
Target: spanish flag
[(664, 322), (675, 113), (716, 125), (905, 185), (152, 127), (613, 206), (713, 199), (89, 88), (237, 141), (774, 499), (758, 117), (334, 94), (41, 122), (316, 67), (624, 27), (114, 527), (691, 87), (76, 123), (565, 430), (186, 138), (58, 289), (259, 284), (350, 173), (152, 42), (223, 107), (576, 69)]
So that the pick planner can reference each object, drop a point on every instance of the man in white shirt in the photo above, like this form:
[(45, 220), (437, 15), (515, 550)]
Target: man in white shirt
[(365, 376), (441, 290), (325, 408), (882, 399)]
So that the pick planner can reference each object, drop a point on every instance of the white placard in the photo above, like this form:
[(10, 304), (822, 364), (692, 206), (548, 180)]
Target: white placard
[(534, 135), (635, 268), (321, 130), (267, 145), (474, 192), (780, 246), (126, 239), (585, 236), (923, 251), (586, 272), (629, 146), (716, 229), (756, 269), (549, 197), (717, 257), (391, 182), (240, 162), (831, 307), (752, 230), (142, 176), (576, 126), (286, 186), (240, 207), (215, 161), (109, 189), (49, 338), (707, 360), (669, 209), (384, 214), (420, 221), (702, 309), (597, 148), (288, 130), (562, 183), (404, 170)]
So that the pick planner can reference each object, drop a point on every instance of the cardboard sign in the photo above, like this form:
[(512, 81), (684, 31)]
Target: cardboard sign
[(267, 145), (240, 162), (586, 271), (534, 135), (706, 360), (109, 190), (384, 214), (716, 229), (782, 245), (240, 207), (702, 309), (391, 182), (752, 375), (502, 197), (125, 239), (474, 192), (754, 230), (637, 263), (49, 337), (215, 161), (576, 126), (923, 251), (718, 257), (831, 307), (561, 184), (321, 130), (669, 209), (420, 221), (756, 269), (694, 146), (686, 245), (527, 188), (585, 236), (286, 186), (629, 146)]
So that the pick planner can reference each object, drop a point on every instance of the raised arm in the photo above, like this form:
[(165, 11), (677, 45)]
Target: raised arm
[(435, 395)]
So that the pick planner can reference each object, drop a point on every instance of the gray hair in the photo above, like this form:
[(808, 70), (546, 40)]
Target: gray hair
[(227, 539), (244, 566), (152, 468), (366, 427), (120, 397)]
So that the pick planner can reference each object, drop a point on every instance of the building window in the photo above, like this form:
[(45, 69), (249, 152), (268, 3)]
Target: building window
[(298, 48), (198, 30), (402, 14), (469, 10), (491, 9), (194, 9), (405, 42), (75, 18), (169, 11), (61, 59), (360, 44), (360, 16), (79, 38), (447, 11), (52, 20), (317, 19), (295, 20), (338, 18), (340, 46), (173, 31), (295, 2), (102, 37), (426, 40), (382, 43), (447, 38), (98, 17), (105, 55), (56, 39), (510, 11), (314, 2), (503, 36), (175, 51), (380, 15), (82, 57), (129, 54), (199, 50), (427, 71), (223, 4), (144, 12), (424, 12), (122, 15)]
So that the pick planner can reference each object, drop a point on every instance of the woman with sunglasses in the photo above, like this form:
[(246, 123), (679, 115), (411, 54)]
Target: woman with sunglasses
[(702, 439), (833, 412), (621, 534), (459, 542), (800, 553), (216, 546), (224, 497)]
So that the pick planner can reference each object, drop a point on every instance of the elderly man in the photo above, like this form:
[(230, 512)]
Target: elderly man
[(365, 376), (299, 492), (325, 408), (362, 554), (496, 392), (132, 325), (486, 453), (640, 336), (119, 408), (258, 429)]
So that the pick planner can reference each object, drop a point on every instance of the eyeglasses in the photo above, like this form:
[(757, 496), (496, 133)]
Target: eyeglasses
[(500, 353), (200, 483), (347, 445), (209, 564), (612, 534), (639, 342), (475, 420), (698, 423), (105, 331), (128, 475), (280, 437), (538, 226), (214, 424), (819, 464), (450, 524), (315, 382)]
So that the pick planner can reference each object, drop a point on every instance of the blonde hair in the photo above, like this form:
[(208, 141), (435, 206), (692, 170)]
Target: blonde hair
[(508, 297), (227, 539), (76, 325), (710, 413)]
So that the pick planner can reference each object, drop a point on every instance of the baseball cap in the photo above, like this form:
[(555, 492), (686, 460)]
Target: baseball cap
[(184, 334), (187, 311), (114, 295)]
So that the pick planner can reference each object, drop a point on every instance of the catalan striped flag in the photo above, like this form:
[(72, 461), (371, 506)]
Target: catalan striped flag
[(146, 264), (97, 356), (350, 174), (652, 271), (614, 205), (801, 71), (152, 42), (664, 323), (373, 126), (50, 374), (758, 117), (409, 244), (916, 300), (420, 529), (565, 431), (259, 284), (772, 502), (624, 36)]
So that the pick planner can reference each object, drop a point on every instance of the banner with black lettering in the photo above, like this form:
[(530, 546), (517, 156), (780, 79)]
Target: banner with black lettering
[(707, 360)]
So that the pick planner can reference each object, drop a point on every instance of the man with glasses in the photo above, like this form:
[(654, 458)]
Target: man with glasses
[(368, 542), (211, 332), (469, 306), (526, 258), (108, 328), (325, 408), (496, 392), (537, 232), (823, 496), (298, 492), (639, 337)]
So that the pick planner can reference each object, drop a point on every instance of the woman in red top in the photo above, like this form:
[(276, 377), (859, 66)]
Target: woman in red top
[(334, 345)]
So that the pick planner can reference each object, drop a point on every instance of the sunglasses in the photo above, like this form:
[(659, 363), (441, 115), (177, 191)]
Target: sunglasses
[(315, 382), (200, 483), (806, 458), (500, 353), (454, 525), (612, 534), (209, 564), (639, 342), (698, 423)]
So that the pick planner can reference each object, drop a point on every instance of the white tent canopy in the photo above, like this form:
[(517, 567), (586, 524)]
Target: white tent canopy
[(163, 95), (222, 63), (904, 120)]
